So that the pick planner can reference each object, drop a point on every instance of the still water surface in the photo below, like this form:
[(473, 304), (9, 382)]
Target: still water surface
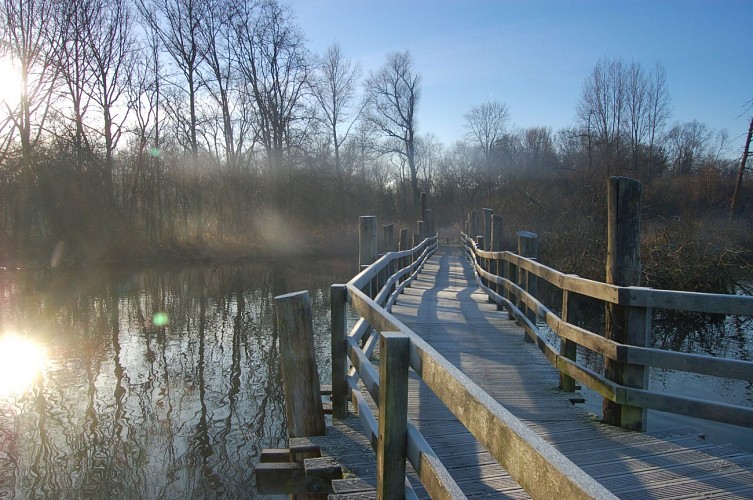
[(159, 383), (164, 383)]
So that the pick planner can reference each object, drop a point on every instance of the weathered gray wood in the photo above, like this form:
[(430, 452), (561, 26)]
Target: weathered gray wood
[(423, 214), (367, 239), (394, 349), (568, 348), (528, 248), (388, 238), (624, 325), (475, 225), (300, 379), (487, 213), (339, 351)]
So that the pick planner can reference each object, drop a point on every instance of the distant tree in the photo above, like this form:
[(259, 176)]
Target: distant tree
[(30, 35), (275, 65), (334, 87), (486, 124), (393, 93), (688, 144)]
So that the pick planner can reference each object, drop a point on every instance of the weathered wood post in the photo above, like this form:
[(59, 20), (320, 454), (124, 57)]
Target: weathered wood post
[(339, 351), (300, 379), (392, 447), (626, 325), (527, 247), (404, 245), (367, 245), (497, 247), (480, 260), (487, 228), (568, 348), (388, 239), (475, 223), (429, 221), (421, 230)]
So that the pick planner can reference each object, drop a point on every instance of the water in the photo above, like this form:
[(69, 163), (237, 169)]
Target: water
[(160, 383)]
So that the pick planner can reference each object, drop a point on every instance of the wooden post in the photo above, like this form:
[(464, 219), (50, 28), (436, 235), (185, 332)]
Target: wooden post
[(339, 351), (527, 247), (429, 221), (474, 225), (392, 447), (568, 348), (626, 325), (421, 230), (388, 240), (481, 261), (300, 379), (367, 240), (367, 246), (496, 246), (403, 246), (487, 228)]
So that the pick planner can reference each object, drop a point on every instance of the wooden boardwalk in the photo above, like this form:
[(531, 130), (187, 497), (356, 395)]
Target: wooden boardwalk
[(445, 307)]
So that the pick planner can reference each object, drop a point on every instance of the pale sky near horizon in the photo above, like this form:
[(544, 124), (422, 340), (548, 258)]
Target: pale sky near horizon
[(534, 55)]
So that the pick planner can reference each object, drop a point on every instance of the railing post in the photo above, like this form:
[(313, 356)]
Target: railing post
[(403, 246), (497, 247), (487, 228), (527, 247), (480, 260), (423, 213), (367, 245), (300, 379), (429, 220), (339, 351), (388, 240), (626, 325), (568, 348), (474, 225), (392, 447)]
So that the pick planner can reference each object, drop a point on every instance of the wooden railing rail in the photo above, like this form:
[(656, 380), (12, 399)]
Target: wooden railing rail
[(541, 470), (633, 297)]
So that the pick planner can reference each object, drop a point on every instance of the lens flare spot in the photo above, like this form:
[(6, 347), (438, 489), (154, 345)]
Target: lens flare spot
[(160, 319), (21, 362), (155, 152)]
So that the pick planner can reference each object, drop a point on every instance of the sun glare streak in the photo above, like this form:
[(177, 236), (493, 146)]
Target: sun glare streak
[(10, 83), (21, 362)]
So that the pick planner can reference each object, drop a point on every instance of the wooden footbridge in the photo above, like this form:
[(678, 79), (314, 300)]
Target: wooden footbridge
[(439, 366)]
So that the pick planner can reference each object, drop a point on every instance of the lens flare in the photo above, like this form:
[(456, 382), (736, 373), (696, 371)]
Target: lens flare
[(160, 319), (21, 362)]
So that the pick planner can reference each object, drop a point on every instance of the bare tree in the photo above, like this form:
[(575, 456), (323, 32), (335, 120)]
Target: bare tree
[(393, 93), (30, 37), (658, 113), (602, 108), (688, 143), (486, 124), (112, 49), (273, 61), (335, 90)]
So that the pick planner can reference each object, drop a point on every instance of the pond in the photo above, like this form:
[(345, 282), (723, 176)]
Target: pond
[(156, 383)]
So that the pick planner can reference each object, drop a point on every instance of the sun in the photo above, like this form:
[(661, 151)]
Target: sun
[(21, 362), (10, 83)]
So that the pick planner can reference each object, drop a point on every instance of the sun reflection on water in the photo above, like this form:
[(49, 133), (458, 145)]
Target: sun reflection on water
[(21, 362)]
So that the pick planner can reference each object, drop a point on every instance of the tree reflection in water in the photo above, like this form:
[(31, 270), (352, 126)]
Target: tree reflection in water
[(129, 407)]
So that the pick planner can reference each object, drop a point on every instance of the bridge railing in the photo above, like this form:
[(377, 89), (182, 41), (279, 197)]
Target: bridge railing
[(506, 278), (540, 469)]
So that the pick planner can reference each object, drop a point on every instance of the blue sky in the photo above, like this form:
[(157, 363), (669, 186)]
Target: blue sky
[(535, 55)]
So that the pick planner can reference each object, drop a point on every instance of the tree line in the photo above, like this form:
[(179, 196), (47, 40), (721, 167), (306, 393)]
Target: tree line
[(176, 126)]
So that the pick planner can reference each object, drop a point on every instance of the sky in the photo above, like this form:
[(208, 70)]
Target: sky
[(535, 55)]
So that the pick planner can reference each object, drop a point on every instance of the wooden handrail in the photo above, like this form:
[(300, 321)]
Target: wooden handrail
[(635, 297), (540, 469)]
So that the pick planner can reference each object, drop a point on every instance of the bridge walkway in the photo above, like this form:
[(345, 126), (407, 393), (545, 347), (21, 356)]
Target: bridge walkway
[(446, 308)]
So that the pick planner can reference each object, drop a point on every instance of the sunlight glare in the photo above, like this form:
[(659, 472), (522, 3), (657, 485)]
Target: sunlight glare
[(10, 83), (21, 361)]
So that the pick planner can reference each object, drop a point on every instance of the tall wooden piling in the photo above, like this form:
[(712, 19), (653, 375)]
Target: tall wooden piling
[(300, 378), (388, 238), (626, 325)]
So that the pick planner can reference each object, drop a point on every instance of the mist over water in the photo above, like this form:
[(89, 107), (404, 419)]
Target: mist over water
[(155, 383)]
